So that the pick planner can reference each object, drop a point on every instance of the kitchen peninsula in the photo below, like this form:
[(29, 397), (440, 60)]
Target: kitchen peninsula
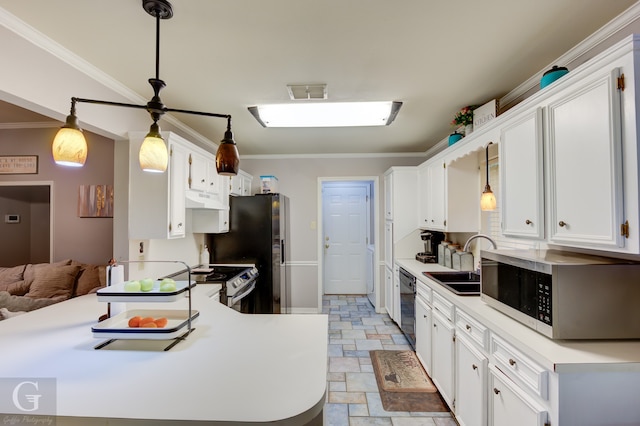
[(232, 369)]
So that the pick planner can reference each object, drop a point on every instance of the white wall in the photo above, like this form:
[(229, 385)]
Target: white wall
[(298, 179)]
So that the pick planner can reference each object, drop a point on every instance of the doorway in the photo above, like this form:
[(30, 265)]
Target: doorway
[(26, 220), (347, 236)]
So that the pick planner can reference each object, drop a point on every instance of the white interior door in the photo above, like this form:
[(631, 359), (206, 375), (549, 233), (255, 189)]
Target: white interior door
[(345, 238)]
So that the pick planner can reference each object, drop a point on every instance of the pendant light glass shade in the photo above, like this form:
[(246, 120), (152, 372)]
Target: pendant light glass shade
[(227, 157), (69, 147), (153, 154), (488, 200)]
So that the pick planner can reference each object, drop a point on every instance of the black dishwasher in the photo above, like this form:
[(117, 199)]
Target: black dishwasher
[(408, 306)]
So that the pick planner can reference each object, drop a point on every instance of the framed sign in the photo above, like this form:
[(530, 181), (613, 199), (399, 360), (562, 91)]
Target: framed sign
[(482, 115), (18, 164)]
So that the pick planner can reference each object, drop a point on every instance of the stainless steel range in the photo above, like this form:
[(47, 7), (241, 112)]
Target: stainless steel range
[(238, 283)]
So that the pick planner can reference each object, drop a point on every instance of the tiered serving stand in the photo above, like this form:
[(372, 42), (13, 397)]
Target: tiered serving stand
[(116, 327)]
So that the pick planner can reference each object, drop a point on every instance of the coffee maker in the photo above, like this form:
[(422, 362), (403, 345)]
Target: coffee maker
[(431, 240)]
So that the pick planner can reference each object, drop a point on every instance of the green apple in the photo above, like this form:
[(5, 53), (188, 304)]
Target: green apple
[(167, 284), (146, 284), (132, 285)]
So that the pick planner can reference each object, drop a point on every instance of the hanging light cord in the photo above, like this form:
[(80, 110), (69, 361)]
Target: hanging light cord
[(155, 107)]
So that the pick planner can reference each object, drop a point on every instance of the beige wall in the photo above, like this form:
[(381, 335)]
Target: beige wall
[(298, 179), (87, 240)]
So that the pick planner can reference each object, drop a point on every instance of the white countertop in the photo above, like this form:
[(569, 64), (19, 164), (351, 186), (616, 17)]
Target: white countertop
[(561, 356), (233, 368)]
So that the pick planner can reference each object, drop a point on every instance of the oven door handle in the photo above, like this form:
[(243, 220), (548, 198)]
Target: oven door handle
[(244, 294)]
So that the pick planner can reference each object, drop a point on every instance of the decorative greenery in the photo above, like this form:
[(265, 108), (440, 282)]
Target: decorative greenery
[(464, 116)]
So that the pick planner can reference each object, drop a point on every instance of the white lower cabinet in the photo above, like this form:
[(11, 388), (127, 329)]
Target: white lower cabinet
[(388, 291), (471, 364), (424, 324), (396, 295), (471, 383), (509, 405), (442, 361)]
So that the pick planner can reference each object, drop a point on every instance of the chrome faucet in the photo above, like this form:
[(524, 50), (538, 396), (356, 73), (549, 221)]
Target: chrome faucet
[(466, 245)]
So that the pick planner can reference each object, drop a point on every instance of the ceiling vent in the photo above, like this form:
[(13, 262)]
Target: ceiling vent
[(307, 91)]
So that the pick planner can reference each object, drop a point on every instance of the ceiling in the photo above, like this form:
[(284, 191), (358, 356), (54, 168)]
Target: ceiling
[(223, 56)]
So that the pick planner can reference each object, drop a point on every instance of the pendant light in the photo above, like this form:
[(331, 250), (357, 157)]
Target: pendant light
[(69, 147), (488, 200)]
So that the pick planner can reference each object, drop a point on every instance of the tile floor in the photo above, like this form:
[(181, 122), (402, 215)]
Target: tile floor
[(352, 394)]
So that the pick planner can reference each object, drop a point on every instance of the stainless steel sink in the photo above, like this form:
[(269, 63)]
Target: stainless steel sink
[(460, 283)]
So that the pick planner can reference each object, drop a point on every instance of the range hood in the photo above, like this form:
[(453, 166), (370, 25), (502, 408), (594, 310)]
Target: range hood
[(202, 200)]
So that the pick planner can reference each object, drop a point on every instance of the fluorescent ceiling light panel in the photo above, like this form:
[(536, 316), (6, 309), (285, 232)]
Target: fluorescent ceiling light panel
[(327, 114)]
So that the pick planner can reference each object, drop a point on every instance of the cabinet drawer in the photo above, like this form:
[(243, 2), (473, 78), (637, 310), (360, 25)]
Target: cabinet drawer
[(443, 306), (476, 332), (519, 367), (424, 292)]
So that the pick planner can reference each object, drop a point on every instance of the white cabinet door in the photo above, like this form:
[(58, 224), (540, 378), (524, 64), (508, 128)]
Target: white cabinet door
[(388, 291), (388, 244), (423, 334), (442, 339), (436, 207), (423, 196), (510, 405), (397, 315), (214, 181), (388, 196), (521, 177), (471, 384), (178, 184), (197, 172), (584, 158)]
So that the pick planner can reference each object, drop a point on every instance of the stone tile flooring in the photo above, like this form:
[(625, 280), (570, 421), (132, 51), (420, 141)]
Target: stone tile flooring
[(352, 393)]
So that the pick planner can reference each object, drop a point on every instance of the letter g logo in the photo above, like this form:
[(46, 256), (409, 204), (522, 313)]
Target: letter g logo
[(32, 398)]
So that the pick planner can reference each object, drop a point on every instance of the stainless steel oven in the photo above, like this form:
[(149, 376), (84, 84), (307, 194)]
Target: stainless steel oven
[(408, 306), (564, 295), (238, 283)]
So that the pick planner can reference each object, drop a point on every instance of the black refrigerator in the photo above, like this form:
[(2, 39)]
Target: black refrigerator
[(258, 232)]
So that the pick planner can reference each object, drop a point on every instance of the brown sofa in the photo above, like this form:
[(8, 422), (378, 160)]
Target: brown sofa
[(27, 287)]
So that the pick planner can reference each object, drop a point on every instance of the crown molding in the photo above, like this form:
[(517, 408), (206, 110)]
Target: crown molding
[(37, 38), (338, 156), (600, 36), (30, 125)]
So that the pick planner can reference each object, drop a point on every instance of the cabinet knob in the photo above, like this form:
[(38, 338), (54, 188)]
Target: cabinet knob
[(424, 316), (326, 246), (202, 181), (562, 223), (512, 361), (435, 326), (496, 391), (475, 367), (528, 222), (180, 225), (468, 327)]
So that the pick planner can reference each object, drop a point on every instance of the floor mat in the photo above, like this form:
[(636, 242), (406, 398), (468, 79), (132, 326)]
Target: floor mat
[(403, 383)]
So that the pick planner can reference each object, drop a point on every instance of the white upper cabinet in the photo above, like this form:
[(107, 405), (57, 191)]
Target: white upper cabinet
[(240, 184), (450, 195), (198, 172), (401, 200), (585, 163), (522, 176)]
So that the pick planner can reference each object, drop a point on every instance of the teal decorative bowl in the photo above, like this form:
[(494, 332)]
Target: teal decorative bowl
[(454, 137), (552, 75)]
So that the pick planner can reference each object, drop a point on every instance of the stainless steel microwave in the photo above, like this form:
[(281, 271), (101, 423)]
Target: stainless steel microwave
[(564, 295)]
